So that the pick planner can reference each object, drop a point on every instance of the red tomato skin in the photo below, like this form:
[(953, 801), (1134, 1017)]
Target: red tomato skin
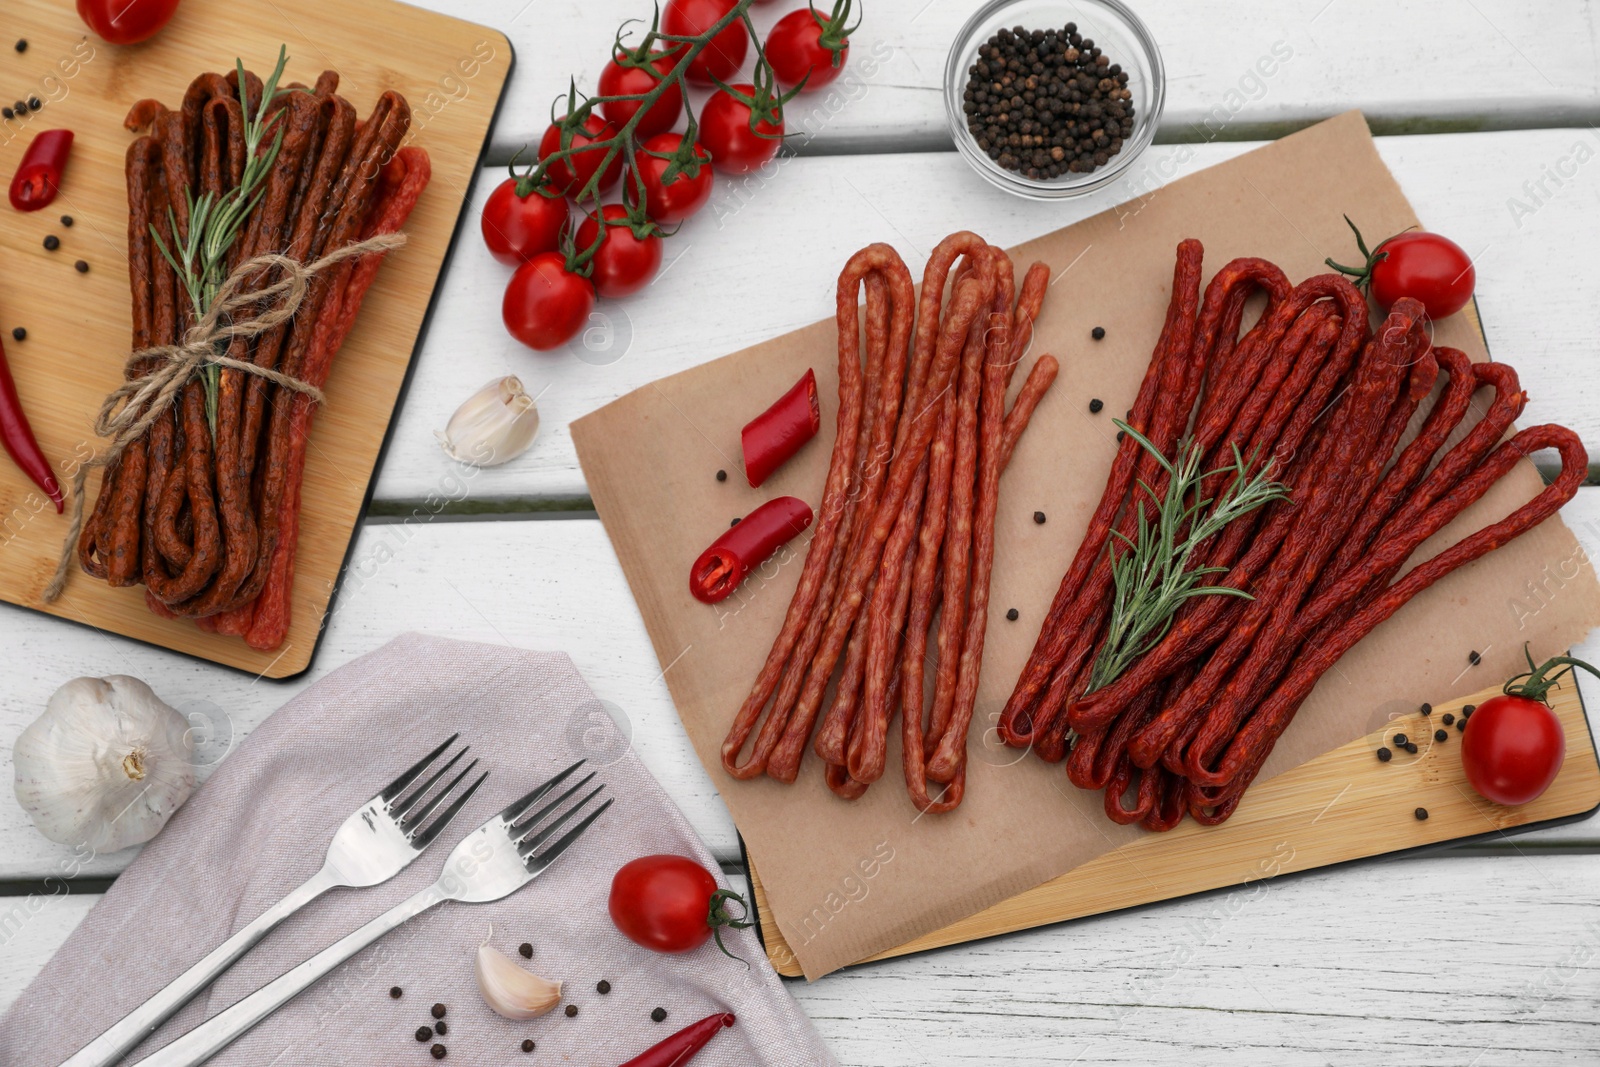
[(571, 174), (545, 304), (662, 903), (617, 80), (794, 49), (623, 264), (672, 203), (1427, 267), (724, 54), (725, 132), (1512, 749), (126, 21), (517, 228)]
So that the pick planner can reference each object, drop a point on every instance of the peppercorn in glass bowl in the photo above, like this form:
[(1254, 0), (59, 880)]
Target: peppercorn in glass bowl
[(1051, 147)]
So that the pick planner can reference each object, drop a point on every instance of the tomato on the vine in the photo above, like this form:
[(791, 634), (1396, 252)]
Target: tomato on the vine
[(571, 174), (624, 262), (738, 140), (722, 56), (1513, 744), (671, 201), (1424, 266), (618, 79), (126, 21), (671, 904), (517, 227), (808, 46), (546, 304)]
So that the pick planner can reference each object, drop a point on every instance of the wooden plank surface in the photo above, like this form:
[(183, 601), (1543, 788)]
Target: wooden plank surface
[(79, 324), (549, 584), (1415, 65), (1442, 960), (715, 296)]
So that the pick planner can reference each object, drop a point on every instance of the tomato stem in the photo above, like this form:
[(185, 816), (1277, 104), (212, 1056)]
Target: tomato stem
[(719, 919), (835, 35), (1539, 681)]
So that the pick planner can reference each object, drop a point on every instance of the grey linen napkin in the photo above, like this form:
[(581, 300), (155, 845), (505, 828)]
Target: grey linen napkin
[(260, 826)]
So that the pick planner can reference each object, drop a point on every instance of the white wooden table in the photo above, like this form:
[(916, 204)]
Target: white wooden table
[(1482, 954)]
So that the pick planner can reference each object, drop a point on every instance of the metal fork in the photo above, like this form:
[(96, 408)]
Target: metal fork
[(377, 842), (492, 862)]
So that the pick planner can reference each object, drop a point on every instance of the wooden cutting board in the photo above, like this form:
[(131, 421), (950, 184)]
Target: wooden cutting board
[(453, 74), (1341, 806)]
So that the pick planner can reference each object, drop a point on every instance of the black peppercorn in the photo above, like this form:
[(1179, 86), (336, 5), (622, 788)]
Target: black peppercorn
[(525, 950), (572, 1011), (52, 242), (6, 112), (1120, 436), (1095, 405), (437, 1051), (1384, 755), (33, 102), (1098, 333), (1461, 724), (1012, 615), (66, 220), (602, 987), (1427, 709), (1473, 658), (394, 991), (19, 334), (722, 476), (22, 45), (1400, 739), (527, 1044), (735, 521), (1038, 517), (438, 1011), (424, 1033), (1468, 709), (658, 1015), (20, 107), (1449, 719), (441, 1028), (1441, 735), (81, 266), (1411, 747), (1421, 814)]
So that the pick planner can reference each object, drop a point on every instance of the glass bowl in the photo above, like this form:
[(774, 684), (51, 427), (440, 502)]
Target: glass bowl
[(1115, 30)]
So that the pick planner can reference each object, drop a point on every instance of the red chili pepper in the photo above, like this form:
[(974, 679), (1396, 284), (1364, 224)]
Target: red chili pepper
[(721, 568), (681, 1046), (778, 432), (18, 438), (38, 178)]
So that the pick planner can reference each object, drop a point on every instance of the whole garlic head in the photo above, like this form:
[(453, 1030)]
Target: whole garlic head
[(493, 425), (105, 766)]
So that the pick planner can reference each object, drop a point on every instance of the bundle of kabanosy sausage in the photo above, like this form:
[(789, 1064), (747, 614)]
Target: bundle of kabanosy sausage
[(1312, 405), (904, 544), (203, 509)]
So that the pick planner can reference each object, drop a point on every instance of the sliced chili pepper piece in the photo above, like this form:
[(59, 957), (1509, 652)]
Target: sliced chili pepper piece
[(17, 436), (721, 568), (778, 432), (681, 1046), (38, 177)]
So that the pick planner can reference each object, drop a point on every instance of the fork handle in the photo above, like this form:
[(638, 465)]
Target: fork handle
[(138, 1024), (220, 1031)]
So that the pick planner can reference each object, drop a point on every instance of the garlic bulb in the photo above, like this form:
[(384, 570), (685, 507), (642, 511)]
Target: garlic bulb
[(105, 766), (512, 991), (493, 425)]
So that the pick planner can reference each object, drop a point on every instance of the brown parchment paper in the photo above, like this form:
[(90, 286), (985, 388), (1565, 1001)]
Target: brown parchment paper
[(846, 880)]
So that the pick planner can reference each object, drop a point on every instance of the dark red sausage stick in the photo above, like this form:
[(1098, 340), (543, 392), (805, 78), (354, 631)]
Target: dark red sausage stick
[(777, 433), (721, 568)]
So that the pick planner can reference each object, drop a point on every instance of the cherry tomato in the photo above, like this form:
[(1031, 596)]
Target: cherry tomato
[(618, 80), (546, 304), (623, 264), (570, 175), (795, 49), (126, 21), (723, 54), (670, 904), (725, 132), (671, 202), (1425, 267), (517, 228), (1512, 749)]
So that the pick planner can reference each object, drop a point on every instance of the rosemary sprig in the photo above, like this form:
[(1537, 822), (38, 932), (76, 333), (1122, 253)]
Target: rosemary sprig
[(215, 222), (1152, 574)]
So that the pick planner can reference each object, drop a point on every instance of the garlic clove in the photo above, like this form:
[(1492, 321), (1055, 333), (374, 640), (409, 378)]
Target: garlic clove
[(493, 425), (105, 766), (512, 991)]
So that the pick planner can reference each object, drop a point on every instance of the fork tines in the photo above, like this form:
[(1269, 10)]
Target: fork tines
[(411, 808), (532, 831)]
